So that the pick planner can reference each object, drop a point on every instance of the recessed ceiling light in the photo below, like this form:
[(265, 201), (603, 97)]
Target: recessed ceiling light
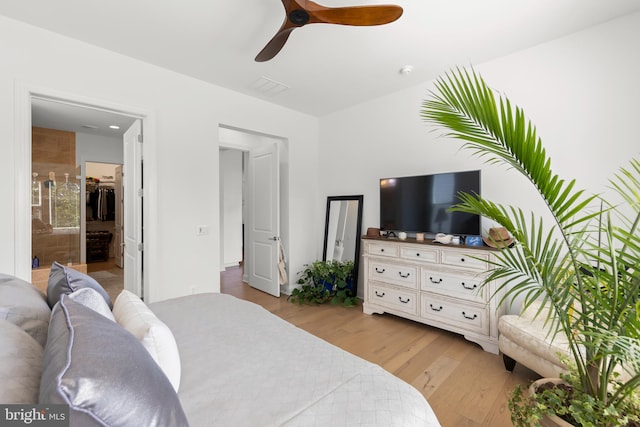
[(114, 127)]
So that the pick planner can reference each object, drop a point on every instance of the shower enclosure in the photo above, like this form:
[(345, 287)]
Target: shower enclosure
[(55, 202)]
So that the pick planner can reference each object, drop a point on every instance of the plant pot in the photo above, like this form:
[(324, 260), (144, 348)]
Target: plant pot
[(331, 286), (549, 420)]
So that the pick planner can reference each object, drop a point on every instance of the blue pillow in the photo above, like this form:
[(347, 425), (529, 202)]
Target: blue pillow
[(103, 373), (63, 280)]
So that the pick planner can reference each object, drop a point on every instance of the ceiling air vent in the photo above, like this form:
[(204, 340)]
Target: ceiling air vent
[(268, 87)]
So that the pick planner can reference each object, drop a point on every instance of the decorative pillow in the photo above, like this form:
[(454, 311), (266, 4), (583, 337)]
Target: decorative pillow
[(92, 299), (63, 280), (103, 373), (20, 365), (25, 306), (133, 315)]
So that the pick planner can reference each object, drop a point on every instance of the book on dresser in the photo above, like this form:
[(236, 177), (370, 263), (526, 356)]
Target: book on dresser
[(432, 283)]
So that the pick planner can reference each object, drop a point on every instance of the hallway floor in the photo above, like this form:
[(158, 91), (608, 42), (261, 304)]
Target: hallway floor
[(109, 275)]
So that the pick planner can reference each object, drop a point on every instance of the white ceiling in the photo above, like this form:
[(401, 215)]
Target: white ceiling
[(72, 118), (325, 67)]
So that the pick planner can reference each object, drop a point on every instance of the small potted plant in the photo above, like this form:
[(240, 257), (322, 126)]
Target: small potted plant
[(582, 261), (323, 281)]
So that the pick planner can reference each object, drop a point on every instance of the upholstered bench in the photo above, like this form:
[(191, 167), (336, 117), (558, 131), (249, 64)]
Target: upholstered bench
[(526, 339)]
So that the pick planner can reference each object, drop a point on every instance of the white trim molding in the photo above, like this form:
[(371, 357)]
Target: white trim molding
[(23, 94)]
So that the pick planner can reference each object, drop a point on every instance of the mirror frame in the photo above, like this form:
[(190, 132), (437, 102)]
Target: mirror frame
[(356, 259)]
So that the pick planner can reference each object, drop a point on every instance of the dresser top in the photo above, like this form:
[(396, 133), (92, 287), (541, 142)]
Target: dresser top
[(429, 242)]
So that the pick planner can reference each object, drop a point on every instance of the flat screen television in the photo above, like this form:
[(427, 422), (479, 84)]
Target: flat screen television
[(420, 203)]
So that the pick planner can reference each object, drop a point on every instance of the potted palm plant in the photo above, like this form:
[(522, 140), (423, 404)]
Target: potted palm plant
[(584, 264)]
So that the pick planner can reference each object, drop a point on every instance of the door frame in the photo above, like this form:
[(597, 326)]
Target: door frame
[(246, 140), (23, 94)]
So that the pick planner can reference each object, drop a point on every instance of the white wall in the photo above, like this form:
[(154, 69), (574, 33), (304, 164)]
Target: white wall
[(231, 206), (96, 148), (581, 92), (102, 171), (181, 152)]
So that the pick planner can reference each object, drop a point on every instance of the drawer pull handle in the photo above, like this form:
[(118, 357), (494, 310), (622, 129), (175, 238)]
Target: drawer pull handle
[(417, 253), (403, 275), (435, 308), (469, 288), (379, 295), (462, 260), (403, 301), (380, 271), (435, 281), (474, 317), (382, 250)]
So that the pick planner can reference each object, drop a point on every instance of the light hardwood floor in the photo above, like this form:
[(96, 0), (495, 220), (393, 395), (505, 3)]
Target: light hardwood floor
[(464, 385), (110, 276)]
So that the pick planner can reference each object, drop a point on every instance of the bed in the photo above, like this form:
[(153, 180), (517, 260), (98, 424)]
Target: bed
[(225, 362)]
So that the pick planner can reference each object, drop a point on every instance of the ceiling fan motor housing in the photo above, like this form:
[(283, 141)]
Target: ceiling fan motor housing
[(299, 17)]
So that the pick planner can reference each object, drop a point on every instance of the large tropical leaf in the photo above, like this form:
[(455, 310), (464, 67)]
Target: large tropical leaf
[(500, 133), (585, 264)]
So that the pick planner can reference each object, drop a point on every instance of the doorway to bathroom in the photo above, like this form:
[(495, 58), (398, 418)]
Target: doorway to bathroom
[(78, 155)]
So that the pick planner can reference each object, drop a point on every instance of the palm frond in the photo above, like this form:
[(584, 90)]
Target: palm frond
[(500, 133), (585, 264)]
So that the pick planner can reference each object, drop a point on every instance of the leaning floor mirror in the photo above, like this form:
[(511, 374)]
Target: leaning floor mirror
[(342, 231)]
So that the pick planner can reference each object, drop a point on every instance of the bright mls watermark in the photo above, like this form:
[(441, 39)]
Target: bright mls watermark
[(34, 415)]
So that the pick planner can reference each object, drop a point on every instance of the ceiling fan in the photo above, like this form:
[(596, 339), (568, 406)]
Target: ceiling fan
[(303, 12)]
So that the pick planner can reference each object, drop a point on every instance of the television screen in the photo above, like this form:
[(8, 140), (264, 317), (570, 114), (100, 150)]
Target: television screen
[(420, 203)]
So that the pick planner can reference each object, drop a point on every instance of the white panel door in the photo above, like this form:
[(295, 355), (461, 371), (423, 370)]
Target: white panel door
[(264, 219), (119, 238), (132, 218)]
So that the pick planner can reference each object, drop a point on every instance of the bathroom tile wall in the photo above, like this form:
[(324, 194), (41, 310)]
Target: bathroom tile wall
[(53, 153)]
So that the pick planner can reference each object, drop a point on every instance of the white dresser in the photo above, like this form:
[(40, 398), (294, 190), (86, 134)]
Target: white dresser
[(433, 284)]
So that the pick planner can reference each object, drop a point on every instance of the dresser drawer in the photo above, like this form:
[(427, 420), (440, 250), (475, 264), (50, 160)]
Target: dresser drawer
[(406, 301), (477, 261), (466, 287), (400, 275), (472, 317), (384, 249), (425, 254)]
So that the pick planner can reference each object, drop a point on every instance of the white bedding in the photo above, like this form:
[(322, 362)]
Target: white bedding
[(243, 366)]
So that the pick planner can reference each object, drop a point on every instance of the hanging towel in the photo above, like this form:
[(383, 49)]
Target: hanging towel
[(282, 261)]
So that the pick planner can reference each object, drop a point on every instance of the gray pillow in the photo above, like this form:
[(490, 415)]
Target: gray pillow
[(63, 280), (92, 299), (25, 306), (103, 373), (20, 365)]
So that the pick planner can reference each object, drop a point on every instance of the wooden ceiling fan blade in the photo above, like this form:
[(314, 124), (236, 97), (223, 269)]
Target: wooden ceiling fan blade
[(357, 15), (303, 12), (274, 45)]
